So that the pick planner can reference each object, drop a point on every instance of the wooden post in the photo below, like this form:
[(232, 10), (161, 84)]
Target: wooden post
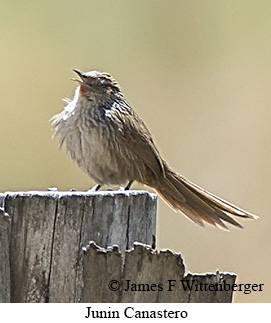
[(49, 229), (149, 276), (4, 256), (47, 257)]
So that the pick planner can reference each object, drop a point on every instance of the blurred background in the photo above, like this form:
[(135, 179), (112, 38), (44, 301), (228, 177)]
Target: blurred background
[(199, 75)]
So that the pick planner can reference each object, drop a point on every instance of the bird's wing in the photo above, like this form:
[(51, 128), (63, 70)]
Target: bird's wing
[(135, 136)]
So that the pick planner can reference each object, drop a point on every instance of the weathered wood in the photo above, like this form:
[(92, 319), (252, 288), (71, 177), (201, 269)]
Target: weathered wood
[(32, 232), (49, 229), (43, 235), (224, 296), (2, 198), (149, 276), (96, 283), (4, 256)]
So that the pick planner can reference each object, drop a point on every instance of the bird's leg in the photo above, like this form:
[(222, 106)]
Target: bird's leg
[(95, 188), (153, 245), (127, 187)]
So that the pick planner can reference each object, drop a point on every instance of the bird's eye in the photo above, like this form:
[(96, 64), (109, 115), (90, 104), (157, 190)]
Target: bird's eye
[(102, 81)]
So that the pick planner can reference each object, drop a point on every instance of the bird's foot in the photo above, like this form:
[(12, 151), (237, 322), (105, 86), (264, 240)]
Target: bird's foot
[(52, 189), (95, 188), (127, 187)]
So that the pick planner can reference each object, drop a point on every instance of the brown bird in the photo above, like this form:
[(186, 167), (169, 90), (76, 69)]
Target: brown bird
[(109, 141)]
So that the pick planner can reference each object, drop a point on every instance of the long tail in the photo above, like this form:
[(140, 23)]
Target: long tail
[(196, 203)]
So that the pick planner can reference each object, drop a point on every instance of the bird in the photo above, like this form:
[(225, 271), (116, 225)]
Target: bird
[(111, 143)]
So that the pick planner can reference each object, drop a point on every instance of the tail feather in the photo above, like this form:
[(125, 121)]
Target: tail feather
[(196, 203)]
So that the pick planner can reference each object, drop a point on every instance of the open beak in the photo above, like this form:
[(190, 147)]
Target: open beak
[(80, 75)]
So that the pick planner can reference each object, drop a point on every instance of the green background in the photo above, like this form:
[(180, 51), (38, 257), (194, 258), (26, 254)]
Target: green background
[(197, 72)]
